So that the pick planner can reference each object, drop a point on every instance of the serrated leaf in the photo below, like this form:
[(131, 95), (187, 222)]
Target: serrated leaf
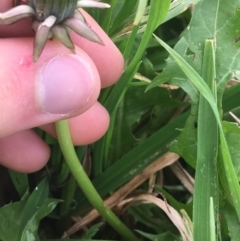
[(173, 73), (217, 19), (9, 219), (20, 220), (30, 232), (34, 202)]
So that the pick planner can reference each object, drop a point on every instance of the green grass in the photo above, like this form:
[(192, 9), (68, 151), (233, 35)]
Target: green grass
[(172, 96)]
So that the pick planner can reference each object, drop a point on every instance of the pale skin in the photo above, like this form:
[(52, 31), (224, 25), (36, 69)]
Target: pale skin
[(20, 108)]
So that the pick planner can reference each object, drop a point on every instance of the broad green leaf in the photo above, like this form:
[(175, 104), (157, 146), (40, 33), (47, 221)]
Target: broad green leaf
[(20, 220), (30, 231), (219, 22), (202, 87), (10, 219), (217, 19), (35, 200)]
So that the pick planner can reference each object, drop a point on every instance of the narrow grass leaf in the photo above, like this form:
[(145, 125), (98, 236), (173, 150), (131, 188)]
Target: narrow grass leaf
[(20, 181), (142, 4), (206, 176), (212, 221), (150, 149), (192, 75), (141, 156), (106, 17), (202, 87), (153, 21), (122, 18), (158, 10)]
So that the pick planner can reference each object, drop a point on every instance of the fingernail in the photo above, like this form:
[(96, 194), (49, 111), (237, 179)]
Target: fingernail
[(65, 84)]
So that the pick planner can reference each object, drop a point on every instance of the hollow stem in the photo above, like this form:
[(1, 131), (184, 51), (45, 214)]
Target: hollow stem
[(85, 184)]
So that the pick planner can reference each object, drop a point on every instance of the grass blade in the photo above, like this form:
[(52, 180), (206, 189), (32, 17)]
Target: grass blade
[(206, 184), (202, 87), (212, 221), (145, 153), (158, 11), (142, 4)]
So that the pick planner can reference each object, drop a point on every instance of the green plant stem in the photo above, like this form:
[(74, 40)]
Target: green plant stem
[(85, 184)]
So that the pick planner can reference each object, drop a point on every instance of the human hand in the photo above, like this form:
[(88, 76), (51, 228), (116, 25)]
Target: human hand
[(59, 86)]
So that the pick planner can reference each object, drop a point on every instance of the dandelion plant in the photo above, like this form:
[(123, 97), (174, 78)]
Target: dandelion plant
[(53, 19)]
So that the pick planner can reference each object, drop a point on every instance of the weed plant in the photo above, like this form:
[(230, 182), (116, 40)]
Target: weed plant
[(168, 166)]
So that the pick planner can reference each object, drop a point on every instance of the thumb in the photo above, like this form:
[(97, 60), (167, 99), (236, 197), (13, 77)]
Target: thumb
[(60, 85)]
